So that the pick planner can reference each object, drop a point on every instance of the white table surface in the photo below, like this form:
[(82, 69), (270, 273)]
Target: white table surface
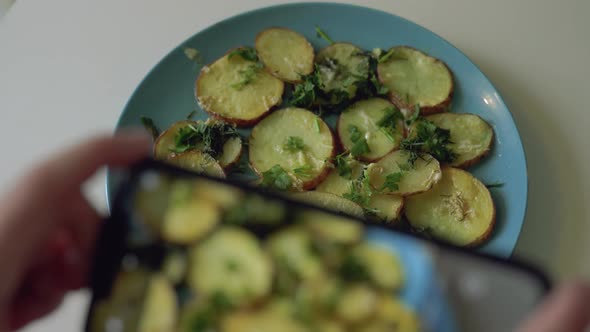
[(67, 67)]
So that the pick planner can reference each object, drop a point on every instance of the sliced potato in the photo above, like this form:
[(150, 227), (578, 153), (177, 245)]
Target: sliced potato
[(297, 140), (292, 247), (285, 53), (393, 312), (365, 115), (414, 78), (165, 143), (160, 311), (418, 178), (232, 150), (255, 209), (471, 136), (332, 228), (175, 266), (356, 303), (220, 93), (198, 162), (458, 209), (222, 195), (386, 207), (231, 263), (383, 266), (260, 321), (330, 202), (151, 202), (339, 62), (187, 222)]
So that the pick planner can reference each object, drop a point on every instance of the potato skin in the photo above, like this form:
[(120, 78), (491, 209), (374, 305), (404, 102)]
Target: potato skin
[(443, 106), (242, 123), (308, 47)]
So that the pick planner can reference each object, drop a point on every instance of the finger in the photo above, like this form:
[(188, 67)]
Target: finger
[(566, 309), (73, 166)]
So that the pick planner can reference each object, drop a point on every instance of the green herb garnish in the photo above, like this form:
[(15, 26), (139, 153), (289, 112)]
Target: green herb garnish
[(247, 76), (429, 138), (191, 114), (494, 185), (294, 144), (305, 93), (392, 180), (303, 171), (276, 178), (360, 145), (342, 164), (208, 138), (317, 125), (246, 53), (360, 191), (353, 269), (321, 34), (150, 126)]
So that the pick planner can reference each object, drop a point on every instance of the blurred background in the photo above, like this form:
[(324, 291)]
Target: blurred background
[(67, 68)]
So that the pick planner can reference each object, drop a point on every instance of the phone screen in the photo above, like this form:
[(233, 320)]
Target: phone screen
[(184, 252)]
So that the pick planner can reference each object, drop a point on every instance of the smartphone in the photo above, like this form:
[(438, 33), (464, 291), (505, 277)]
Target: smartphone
[(190, 253)]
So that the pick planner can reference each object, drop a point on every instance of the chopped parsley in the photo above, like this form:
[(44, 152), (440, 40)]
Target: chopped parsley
[(342, 164), (294, 144), (360, 145), (208, 138), (392, 180), (276, 178), (246, 53), (353, 269), (306, 93), (247, 76), (360, 191), (389, 122), (428, 138), (303, 171), (150, 126), (318, 127), (321, 34), (494, 185), (191, 114)]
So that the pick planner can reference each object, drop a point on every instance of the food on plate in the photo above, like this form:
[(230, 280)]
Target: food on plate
[(471, 136), (285, 53), (415, 78), (293, 144), (358, 126), (237, 89), (231, 263), (370, 128), (396, 174), (458, 209), (198, 162)]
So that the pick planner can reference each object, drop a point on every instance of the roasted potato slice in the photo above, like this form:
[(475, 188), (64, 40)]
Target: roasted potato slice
[(285, 53), (330, 202), (332, 228), (393, 312), (338, 63), (416, 178), (232, 263), (160, 311), (370, 117), (237, 91), (356, 303), (187, 222), (198, 162), (386, 207), (291, 247), (471, 136), (458, 209), (295, 139), (414, 78), (260, 321), (165, 143), (382, 265), (232, 150)]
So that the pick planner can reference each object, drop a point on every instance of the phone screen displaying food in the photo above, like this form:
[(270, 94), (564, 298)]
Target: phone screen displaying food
[(195, 254)]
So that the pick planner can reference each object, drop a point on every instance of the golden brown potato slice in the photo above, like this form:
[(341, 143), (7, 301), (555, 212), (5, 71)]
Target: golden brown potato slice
[(330, 202), (165, 143), (285, 53), (414, 179), (295, 139), (198, 162), (414, 78), (458, 209), (471, 136), (370, 118), (231, 262), (237, 90)]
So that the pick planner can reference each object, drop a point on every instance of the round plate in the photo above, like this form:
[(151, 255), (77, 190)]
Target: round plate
[(167, 93)]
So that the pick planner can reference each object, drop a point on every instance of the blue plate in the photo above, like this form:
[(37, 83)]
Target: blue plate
[(167, 93)]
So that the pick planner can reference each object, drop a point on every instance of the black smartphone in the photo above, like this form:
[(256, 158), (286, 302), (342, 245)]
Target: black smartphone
[(190, 253)]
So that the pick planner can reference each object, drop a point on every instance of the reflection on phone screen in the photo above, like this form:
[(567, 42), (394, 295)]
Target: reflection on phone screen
[(196, 254)]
